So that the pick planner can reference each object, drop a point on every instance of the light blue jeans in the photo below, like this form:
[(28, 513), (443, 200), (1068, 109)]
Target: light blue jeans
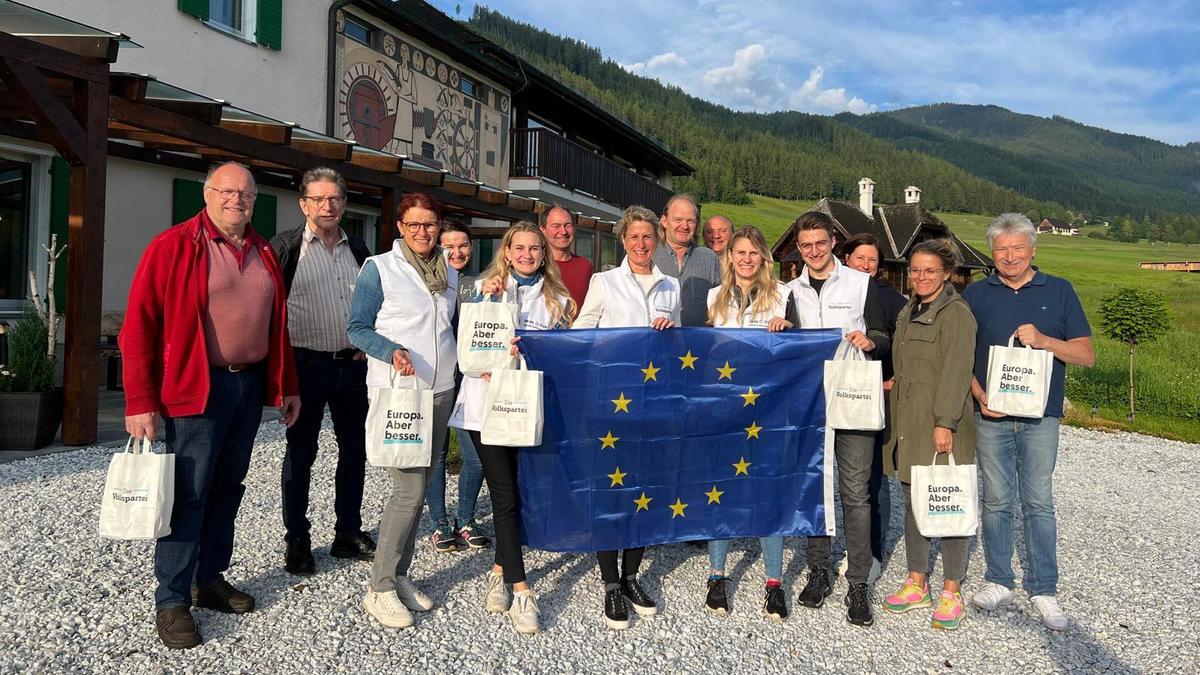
[(1019, 454), (772, 551), (470, 480)]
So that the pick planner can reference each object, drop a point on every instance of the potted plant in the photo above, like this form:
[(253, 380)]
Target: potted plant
[(30, 405)]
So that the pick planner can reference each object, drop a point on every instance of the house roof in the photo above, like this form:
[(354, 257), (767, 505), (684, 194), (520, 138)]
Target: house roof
[(1060, 224)]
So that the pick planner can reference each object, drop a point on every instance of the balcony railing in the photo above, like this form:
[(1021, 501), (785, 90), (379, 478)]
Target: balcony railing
[(541, 153)]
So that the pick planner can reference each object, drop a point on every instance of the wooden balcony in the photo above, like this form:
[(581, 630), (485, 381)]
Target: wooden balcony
[(541, 153)]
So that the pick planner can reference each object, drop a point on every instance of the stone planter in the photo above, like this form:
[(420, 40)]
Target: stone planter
[(29, 420)]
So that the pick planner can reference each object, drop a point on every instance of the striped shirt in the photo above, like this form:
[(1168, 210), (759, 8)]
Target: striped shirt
[(319, 302)]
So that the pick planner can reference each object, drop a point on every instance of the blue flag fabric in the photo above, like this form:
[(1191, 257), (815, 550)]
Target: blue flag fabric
[(688, 433)]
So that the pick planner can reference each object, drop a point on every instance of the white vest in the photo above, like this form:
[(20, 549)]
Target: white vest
[(840, 303), (627, 306), (417, 320), (746, 319), (532, 314)]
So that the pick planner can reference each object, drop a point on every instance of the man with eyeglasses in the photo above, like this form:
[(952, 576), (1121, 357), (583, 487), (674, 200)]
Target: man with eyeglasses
[(205, 345), (830, 295), (320, 266)]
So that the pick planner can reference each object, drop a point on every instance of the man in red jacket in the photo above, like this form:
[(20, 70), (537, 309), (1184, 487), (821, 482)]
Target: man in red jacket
[(205, 346)]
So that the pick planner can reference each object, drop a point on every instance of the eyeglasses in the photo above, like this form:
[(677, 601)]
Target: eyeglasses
[(816, 245), (228, 194), (930, 272), (319, 201), (413, 228)]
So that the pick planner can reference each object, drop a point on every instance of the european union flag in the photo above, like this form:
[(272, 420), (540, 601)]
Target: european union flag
[(687, 433)]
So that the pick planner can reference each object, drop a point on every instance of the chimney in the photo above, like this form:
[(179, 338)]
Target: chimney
[(866, 197), (912, 195)]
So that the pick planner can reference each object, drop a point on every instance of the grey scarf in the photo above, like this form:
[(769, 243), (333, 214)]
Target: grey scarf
[(432, 271)]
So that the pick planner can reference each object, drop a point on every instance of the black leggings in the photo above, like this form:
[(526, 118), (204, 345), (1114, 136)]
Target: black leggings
[(500, 472), (631, 560)]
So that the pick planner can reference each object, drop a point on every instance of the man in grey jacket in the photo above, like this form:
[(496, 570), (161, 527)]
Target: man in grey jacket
[(694, 266)]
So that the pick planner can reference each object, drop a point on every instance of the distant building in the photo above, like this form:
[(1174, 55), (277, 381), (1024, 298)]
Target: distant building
[(1056, 226), (898, 228)]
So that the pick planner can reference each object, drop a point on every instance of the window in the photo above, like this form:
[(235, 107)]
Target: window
[(468, 86), (15, 234), (258, 21), (585, 244), (610, 254), (356, 30), (230, 14)]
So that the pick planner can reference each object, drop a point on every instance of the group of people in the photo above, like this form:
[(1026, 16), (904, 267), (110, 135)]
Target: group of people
[(220, 323)]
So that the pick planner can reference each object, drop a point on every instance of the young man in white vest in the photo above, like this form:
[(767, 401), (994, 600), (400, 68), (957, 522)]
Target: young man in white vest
[(830, 295)]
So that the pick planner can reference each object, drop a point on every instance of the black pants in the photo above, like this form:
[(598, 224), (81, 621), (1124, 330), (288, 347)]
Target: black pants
[(500, 472), (342, 384), (631, 560)]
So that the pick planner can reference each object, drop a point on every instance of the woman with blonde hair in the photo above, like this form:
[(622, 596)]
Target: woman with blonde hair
[(749, 297), (524, 275)]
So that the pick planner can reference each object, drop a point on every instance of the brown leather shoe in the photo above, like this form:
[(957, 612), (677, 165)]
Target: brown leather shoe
[(176, 628), (221, 596)]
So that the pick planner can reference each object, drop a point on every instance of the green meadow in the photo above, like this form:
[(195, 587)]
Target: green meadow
[(1167, 372)]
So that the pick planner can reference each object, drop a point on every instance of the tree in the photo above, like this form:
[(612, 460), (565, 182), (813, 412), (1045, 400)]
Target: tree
[(1134, 316)]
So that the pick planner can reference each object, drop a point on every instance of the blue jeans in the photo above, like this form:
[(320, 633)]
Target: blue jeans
[(212, 456), (470, 480), (1019, 454), (772, 551)]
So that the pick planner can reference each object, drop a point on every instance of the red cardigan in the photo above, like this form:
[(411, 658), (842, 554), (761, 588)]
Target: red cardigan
[(164, 360)]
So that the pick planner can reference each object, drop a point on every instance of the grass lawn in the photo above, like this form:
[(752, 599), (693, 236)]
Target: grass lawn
[(1167, 372)]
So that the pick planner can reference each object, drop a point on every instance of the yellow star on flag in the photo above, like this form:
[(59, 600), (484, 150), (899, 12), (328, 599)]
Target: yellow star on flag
[(752, 430), (621, 403), (650, 372), (678, 508), (714, 495), (750, 397), (643, 502), (618, 477), (609, 441), (726, 373), (689, 361), (743, 467)]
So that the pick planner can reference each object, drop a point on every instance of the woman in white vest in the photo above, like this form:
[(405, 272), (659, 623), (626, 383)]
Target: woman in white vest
[(749, 297), (404, 302), (636, 293), (524, 275)]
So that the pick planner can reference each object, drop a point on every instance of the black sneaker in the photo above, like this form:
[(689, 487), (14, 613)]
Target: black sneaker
[(470, 536), (775, 604), (359, 546), (642, 604), (858, 605), (716, 603), (817, 589), (220, 595), (616, 615), (298, 559)]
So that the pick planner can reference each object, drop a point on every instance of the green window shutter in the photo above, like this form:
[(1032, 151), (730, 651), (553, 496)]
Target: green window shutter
[(60, 210), (263, 220), (188, 199), (269, 31), (196, 8)]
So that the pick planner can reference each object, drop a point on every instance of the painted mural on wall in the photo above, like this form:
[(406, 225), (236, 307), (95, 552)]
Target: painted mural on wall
[(396, 96)]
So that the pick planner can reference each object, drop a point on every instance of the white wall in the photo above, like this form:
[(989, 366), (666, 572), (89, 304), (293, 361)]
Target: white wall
[(289, 84)]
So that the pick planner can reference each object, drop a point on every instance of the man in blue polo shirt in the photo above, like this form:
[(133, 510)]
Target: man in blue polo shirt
[(1043, 312)]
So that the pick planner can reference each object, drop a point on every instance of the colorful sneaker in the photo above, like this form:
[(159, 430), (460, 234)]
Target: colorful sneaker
[(910, 596), (949, 612), (469, 536), (444, 539)]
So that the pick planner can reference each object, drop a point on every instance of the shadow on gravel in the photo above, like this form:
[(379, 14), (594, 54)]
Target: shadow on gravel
[(557, 596)]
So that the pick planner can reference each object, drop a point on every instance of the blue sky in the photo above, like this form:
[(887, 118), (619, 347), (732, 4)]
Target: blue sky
[(1128, 66)]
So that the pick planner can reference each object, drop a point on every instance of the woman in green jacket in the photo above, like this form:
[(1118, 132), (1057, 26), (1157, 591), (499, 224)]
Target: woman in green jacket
[(933, 351)]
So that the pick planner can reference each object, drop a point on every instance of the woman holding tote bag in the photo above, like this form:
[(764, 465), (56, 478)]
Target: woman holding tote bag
[(525, 276), (749, 297), (635, 293), (933, 352), (401, 315)]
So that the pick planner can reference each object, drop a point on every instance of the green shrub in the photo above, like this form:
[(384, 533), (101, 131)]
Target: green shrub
[(31, 368)]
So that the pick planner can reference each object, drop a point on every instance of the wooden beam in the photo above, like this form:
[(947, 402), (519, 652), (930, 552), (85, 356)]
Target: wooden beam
[(428, 178), (128, 86), (464, 189), (99, 48), (492, 197), (384, 163), (339, 151), (49, 59), (280, 134), (207, 113), (47, 109)]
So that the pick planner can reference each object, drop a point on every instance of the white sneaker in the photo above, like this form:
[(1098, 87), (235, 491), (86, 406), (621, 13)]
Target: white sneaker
[(411, 596), (387, 609), (1046, 607), (497, 599), (992, 597), (524, 612)]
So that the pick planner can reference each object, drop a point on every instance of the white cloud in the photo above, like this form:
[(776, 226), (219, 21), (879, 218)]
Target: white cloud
[(741, 71), (752, 81), (658, 62), (810, 97)]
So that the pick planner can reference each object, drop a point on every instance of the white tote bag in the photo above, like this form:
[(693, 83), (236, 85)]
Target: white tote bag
[(1018, 379), (139, 493), (853, 391), (485, 333), (512, 411), (945, 499), (400, 426)]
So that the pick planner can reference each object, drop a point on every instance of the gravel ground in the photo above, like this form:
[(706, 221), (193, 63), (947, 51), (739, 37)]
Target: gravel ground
[(71, 602)]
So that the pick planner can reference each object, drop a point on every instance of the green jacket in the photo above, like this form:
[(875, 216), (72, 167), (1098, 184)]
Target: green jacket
[(933, 355)]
